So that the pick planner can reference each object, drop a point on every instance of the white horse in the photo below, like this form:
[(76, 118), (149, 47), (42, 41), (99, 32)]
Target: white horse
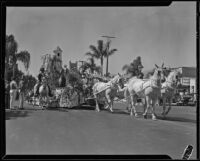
[(148, 89), (107, 90), (43, 93), (168, 89)]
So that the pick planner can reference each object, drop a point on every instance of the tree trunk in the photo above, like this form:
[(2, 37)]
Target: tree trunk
[(101, 66), (6, 68), (107, 66)]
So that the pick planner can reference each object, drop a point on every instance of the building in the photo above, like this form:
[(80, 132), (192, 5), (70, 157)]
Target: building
[(58, 57), (73, 66), (188, 79)]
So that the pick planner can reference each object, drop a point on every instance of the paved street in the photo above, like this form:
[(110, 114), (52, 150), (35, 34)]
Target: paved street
[(85, 131)]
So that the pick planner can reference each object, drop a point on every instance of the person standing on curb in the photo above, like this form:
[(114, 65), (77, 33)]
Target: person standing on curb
[(7, 95), (13, 90), (21, 93)]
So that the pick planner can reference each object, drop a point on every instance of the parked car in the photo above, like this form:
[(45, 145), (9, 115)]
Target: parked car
[(186, 100)]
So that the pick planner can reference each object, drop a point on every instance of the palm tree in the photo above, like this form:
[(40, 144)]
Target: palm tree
[(12, 56), (98, 52), (91, 65), (109, 52)]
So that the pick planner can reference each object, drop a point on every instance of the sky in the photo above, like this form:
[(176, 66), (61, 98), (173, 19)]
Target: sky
[(157, 34)]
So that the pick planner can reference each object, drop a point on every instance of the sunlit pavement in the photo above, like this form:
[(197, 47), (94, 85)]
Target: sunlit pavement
[(85, 131)]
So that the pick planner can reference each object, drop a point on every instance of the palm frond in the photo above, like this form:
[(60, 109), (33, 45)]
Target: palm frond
[(111, 52), (24, 57), (94, 50), (89, 54)]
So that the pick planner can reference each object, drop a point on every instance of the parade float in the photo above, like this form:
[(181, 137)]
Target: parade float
[(68, 86)]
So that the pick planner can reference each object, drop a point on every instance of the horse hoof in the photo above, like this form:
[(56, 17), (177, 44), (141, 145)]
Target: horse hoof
[(97, 110), (154, 118), (136, 115)]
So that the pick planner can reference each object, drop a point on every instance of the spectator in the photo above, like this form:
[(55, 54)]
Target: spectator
[(21, 93), (13, 90), (7, 96)]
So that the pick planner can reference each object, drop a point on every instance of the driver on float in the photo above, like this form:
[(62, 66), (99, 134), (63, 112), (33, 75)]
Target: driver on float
[(40, 77)]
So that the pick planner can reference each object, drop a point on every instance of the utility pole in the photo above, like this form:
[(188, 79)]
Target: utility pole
[(108, 41)]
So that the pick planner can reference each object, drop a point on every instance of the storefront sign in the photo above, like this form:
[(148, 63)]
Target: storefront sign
[(186, 81)]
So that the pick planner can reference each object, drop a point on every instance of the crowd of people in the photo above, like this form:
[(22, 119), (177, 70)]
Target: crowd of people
[(15, 93)]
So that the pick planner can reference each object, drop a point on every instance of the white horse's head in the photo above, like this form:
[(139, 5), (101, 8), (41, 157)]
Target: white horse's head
[(174, 77), (159, 74)]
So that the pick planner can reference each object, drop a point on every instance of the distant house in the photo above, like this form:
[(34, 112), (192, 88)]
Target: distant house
[(188, 79)]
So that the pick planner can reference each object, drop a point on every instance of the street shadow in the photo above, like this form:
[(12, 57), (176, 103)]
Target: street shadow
[(14, 114), (61, 109), (87, 107), (83, 107), (118, 111), (178, 119)]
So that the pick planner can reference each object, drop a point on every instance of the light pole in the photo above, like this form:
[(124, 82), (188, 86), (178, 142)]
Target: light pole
[(107, 50)]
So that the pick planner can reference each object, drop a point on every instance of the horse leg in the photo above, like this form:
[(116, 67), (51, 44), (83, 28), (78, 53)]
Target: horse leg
[(164, 105), (170, 101), (97, 105), (127, 97), (41, 102), (153, 109), (128, 105), (144, 104), (111, 105), (109, 100), (133, 109), (147, 106), (107, 105)]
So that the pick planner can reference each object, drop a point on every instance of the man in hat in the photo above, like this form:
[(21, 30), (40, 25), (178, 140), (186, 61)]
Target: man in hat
[(13, 90), (21, 92), (40, 76)]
